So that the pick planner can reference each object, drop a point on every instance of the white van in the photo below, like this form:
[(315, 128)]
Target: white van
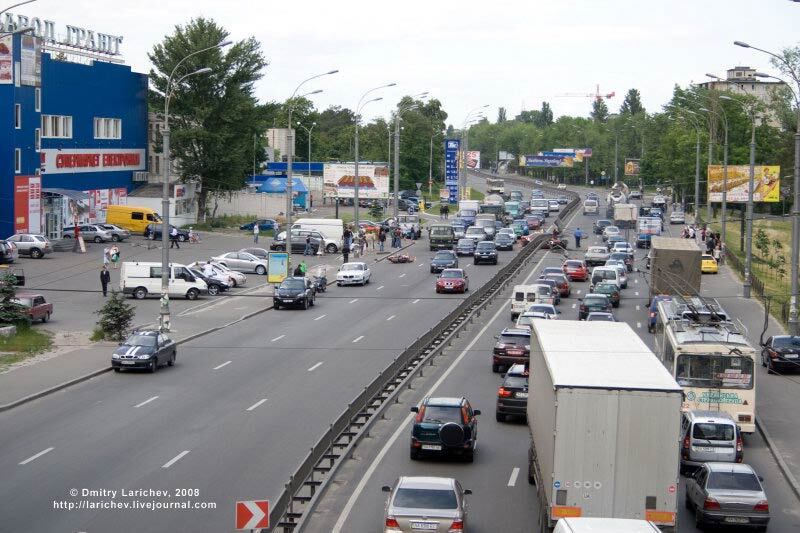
[(605, 274), (604, 525), (141, 279), (521, 298), (590, 207), (331, 229)]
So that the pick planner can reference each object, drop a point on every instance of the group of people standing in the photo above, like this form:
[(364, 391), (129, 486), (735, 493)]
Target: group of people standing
[(357, 242), (444, 211), (711, 240)]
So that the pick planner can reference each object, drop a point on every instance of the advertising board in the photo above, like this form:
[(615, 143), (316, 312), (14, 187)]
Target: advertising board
[(766, 180), (339, 180), (451, 150)]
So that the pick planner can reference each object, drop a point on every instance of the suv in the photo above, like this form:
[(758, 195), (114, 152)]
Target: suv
[(512, 396), (89, 232), (443, 259), (513, 346), (294, 291), (8, 251), (486, 252), (34, 245), (444, 426)]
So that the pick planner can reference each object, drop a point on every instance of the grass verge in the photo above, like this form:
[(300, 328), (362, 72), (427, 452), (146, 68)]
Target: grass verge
[(25, 343)]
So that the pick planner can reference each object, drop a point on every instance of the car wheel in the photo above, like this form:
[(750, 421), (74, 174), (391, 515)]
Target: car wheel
[(98, 239), (117, 369), (153, 365), (280, 248), (313, 301), (67, 236), (182, 237), (331, 248), (115, 238), (698, 519), (46, 317), (770, 367), (470, 456), (500, 417), (260, 270), (276, 305), (36, 253), (192, 294), (213, 290), (140, 293), (413, 454), (433, 271), (495, 368), (171, 361)]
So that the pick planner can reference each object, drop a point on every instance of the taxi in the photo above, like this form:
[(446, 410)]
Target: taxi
[(709, 265)]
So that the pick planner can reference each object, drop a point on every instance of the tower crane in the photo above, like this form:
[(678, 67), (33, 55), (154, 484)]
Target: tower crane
[(596, 95)]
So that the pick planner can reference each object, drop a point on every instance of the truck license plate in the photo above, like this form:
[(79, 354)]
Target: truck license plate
[(424, 526), (737, 520), (436, 447)]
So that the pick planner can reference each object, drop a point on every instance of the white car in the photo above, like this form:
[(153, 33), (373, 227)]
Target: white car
[(508, 231), (608, 231), (562, 186), (622, 269), (524, 320), (553, 205), (243, 262), (677, 217), (236, 279), (548, 309), (355, 273)]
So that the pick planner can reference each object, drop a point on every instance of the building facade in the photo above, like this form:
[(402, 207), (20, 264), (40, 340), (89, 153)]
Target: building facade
[(743, 80), (278, 139), (76, 136)]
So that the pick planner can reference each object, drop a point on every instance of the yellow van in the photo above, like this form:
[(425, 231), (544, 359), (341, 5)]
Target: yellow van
[(131, 217)]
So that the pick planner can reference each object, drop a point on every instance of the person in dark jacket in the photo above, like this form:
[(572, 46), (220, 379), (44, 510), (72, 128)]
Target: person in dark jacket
[(105, 279)]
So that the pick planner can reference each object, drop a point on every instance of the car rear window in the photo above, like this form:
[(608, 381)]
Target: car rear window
[(465, 242), (442, 413), (443, 255), (575, 264), (713, 431), (786, 342), (590, 203), (516, 382), (733, 481), (425, 499), (517, 340)]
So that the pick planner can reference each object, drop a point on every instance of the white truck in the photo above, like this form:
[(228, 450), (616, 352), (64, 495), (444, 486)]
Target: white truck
[(472, 205), (495, 186), (625, 215), (604, 416)]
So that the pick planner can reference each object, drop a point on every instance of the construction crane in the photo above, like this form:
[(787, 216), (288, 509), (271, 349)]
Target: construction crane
[(596, 95)]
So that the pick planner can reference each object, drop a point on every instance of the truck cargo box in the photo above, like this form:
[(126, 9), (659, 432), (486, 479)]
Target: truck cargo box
[(674, 266)]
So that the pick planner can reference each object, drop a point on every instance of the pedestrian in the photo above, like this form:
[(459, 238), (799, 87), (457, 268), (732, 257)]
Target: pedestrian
[(308, 250), (105, 279), (381, 239), (346, 252), (173, 237), (311, 202), (298, 272), (303, 268), (703, 234), (717, 254), (106, 256), (446, 211), (578, 237), (362, 242), (208, 270), (256, 231), (115, 255), (398, 237)]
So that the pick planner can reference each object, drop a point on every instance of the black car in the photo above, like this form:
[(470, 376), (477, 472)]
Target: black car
[(298, 241), (153, 231), (444, 259), (144, 350), (503, 241), (465, 247), (643, 240), (513, 347), (594, 303), (600, 225), (294, 292), (512, 396), (444, 426), (215, 286), (780, 353), (485, 252)]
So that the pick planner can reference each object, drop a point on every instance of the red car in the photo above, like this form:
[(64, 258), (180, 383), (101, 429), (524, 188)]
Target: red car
[(575, 270), (562, 282), (534, 223), (35, 306), (452, 280)]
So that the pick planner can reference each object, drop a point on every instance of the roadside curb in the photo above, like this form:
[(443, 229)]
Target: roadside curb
[(784, 468)]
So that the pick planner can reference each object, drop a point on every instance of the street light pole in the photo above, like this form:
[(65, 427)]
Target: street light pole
[(164, 313)]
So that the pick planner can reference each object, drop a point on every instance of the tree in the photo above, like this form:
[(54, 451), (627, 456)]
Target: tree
[(215, 115), (599, 110), (116, 317), (546, 115), (11, 312), (762, 242), (501, 114), (632, 105)]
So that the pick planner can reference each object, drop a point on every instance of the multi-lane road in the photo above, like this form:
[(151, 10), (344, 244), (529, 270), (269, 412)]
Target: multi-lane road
[(502, 499)]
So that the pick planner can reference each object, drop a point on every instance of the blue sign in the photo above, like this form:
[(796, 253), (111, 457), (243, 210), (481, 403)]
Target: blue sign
[(558, 154), (557, 484), (451, 148)]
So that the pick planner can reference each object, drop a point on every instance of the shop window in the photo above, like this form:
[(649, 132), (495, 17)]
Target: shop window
[(17, 160), (17, 116), (56, 127), (37, 100), (107, 128)]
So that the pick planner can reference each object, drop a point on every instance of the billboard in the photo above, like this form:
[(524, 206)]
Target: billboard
[(505, 156), (31, 61), (632, 167), (339, 180), (72, 160), (551, 161), (27, 204), (451, 151), (766, 179), (473, 159), (6, 59)]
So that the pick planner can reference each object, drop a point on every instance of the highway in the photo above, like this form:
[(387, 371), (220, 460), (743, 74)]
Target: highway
[(229, 422), (502, 499)]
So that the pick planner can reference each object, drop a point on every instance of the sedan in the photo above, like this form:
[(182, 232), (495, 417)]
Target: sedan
[(215, 283), (677, 217), (235, 279), (626, 259), (534, 222), (264, 224), (145, 350), (613, 240), (153, 231), (520, 228), (452, 280), (444, 259), (243, 262), (424, 503), (258, 252), (89, 232), (727, 494), (575, 270), (508, 231), (459, 230), (553, 205), (593, 302), (465, 247), (485, 252), (298, 242), (33, 245), (562, 283), (476, 234), (781, 352), (596, 255), (353, 273), (547, 309), (117, 233), (708, 265), (504, 242), (609, 231)]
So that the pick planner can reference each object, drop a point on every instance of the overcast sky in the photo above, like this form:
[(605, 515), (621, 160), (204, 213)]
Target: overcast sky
[(465, 53)]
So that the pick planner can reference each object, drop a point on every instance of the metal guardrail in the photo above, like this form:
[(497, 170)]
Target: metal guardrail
[(301, 491)]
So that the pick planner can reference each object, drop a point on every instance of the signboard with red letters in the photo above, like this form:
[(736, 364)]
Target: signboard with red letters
[(79, 160), (252, 514)]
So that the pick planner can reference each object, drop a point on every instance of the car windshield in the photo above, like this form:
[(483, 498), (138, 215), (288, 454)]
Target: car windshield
[(442, 413), (292, 284), (733, 481), (612, 229), (441, 230), (574, 264), (601, 317), (713, 431), (27, 302), (352, 266), (604, 274), (465, 242), (485, 247), (467, 213), (517, 340), (718, 371), (443, 255), (141, 340), (451, 274), (425, 499), (786, 342), (477, 230)]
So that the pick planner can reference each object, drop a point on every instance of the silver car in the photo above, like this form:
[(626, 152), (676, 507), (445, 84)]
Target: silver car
[(608, 231), (596, 255), (31, 244), (425, 504), (89, 232), (243, 262), (117, 233), (729, 494)]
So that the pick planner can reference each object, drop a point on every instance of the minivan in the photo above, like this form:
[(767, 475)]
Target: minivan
[(132, 218), (140, 279), (709, 436), (523, 297), (605, 274), (331, 229), (590, 207)]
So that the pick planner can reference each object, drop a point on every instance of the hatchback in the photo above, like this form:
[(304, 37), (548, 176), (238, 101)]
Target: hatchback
[(576, 270), (425, 504), (592, 303)]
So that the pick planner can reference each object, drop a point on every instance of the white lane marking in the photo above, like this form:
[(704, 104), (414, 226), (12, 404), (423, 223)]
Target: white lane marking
[(415, 301), (379, 288), (226, 363), (579, 291), (636, 293), (146, 401), (468, 265), (638, 307), (636, 280), (513, 479), (277, 338), (315, 366), (34, 457), (259, 402), (639, 325), (402, 275), (358, 338), (420, 264), (320, 317), (391, 317), (175, 459), (401, 429), (354, 300), (573, 305)]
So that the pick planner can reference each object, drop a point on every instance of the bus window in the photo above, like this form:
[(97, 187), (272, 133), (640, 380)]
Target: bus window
[(714, 371)]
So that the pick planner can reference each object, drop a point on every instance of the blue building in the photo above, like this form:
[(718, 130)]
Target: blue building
[(76, 133)]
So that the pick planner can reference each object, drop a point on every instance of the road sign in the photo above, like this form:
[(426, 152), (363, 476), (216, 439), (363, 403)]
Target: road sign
[(252, 514)]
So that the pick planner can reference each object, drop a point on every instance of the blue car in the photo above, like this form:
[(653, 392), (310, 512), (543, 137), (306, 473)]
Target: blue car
[(263, 225), (465, 247), (652, 316)]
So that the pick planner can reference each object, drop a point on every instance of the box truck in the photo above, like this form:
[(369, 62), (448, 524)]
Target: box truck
[(604, 420), (625, 215), (674, 267)]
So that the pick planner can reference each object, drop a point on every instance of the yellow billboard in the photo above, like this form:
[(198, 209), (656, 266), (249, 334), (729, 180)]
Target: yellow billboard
[(766, 180)]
